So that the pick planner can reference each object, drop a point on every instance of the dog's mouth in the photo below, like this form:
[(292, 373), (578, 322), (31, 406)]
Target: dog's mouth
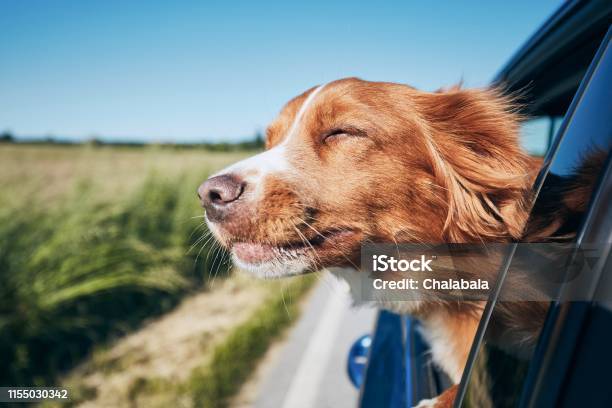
[(321, 246)]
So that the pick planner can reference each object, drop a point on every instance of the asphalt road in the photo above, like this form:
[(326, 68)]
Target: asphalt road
[(310, 370)]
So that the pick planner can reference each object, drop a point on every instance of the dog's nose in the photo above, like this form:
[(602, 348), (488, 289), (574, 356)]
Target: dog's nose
[(216, 192)]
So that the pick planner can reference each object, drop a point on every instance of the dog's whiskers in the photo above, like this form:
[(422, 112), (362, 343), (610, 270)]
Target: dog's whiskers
[(195, 229), (334, 246), (206, 236), (218, 250), (306, 242)]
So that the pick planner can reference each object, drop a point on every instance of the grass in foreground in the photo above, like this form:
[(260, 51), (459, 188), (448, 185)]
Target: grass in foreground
[(92, 242)]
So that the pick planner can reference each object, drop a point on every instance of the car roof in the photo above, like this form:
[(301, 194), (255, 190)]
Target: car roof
[(565, 44)]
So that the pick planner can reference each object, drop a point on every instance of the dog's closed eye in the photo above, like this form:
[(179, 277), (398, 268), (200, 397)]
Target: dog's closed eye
[(340, 133)]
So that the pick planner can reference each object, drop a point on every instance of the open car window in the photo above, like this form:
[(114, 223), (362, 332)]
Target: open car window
[(497, 375), (537, 134)]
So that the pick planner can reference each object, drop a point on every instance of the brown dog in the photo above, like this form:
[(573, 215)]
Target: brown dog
[(354, 161)]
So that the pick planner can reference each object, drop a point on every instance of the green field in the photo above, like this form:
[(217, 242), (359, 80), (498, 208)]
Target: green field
[(93, 240)]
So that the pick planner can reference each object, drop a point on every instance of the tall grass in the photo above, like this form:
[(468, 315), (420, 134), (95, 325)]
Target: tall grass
[(85, 270)]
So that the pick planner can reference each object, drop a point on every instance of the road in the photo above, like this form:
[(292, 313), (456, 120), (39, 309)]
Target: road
[(310, 369)]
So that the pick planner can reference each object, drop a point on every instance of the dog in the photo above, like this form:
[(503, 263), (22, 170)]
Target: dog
[(354, 161)]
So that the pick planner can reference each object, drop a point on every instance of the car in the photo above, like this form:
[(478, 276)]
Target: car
[(563, 75)]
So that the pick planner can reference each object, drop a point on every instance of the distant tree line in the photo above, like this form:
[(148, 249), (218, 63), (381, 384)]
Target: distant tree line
[(6, 137), (255, 143)]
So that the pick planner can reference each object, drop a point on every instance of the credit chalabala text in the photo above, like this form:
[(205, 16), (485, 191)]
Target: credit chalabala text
[(386, 263)]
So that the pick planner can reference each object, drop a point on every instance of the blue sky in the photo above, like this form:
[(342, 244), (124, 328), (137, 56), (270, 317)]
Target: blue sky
[(221, 70)]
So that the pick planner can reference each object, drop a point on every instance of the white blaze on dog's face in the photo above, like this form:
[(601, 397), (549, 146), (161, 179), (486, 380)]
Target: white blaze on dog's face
[(351, 161)]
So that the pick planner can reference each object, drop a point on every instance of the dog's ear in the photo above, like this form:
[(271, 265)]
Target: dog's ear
[(472, 141)]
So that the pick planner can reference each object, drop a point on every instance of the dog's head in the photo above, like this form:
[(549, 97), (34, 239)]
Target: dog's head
[(354, 161)]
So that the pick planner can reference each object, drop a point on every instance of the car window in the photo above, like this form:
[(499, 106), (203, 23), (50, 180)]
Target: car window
[(500, 367)]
